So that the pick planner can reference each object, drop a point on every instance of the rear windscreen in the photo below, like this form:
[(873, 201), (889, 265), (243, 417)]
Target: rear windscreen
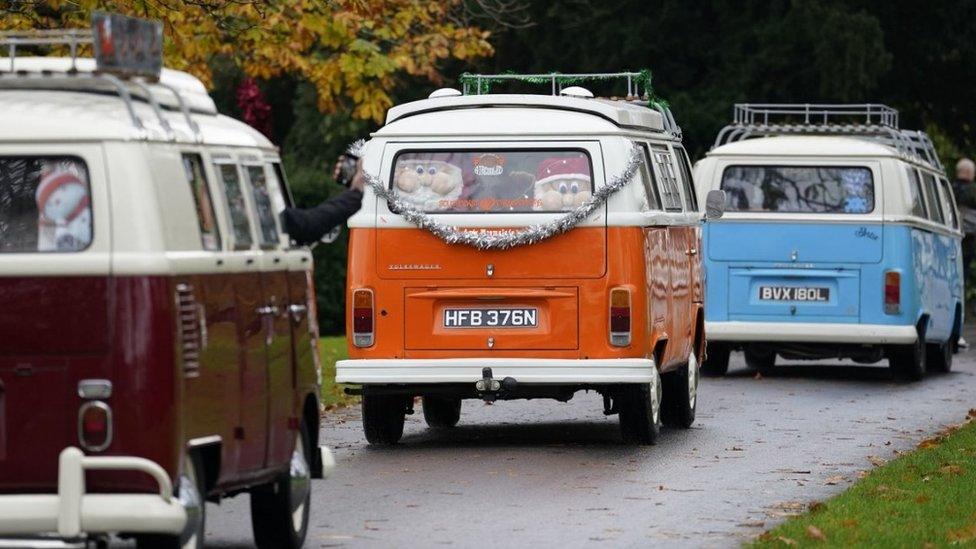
[(44, 205), (798, 189), (493, 181)]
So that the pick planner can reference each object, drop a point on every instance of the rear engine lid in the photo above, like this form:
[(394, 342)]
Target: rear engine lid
[(492, 319), (791, 243)]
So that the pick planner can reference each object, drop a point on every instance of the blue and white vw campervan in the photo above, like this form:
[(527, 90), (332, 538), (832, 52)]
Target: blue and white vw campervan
[(841, 239)]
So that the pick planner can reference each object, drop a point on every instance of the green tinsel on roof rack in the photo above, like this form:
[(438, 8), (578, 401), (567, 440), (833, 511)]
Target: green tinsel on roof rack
[(639, 83)]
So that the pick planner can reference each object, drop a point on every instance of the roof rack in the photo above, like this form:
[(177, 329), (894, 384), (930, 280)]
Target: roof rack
[(638, 88), (75, 79), (872, 121)]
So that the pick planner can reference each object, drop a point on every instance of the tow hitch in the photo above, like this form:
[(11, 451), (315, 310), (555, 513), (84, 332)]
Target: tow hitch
[(490, 389)]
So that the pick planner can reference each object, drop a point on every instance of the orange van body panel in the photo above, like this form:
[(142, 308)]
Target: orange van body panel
[(656, 264)]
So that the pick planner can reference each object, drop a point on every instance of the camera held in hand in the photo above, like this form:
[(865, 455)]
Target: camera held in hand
[(346, 169)]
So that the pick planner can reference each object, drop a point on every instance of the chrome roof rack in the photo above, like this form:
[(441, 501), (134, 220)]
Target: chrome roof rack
[(78, 80), (875, 122), (480, 84)]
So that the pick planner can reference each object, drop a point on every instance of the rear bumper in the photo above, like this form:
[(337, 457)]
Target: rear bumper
[(465, 370), (71, 513), (810, 332)]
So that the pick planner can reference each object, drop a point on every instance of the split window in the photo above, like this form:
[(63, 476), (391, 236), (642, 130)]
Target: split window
[(206, 219)]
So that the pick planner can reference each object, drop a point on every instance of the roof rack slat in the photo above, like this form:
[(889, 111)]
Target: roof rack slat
[(868, 121)]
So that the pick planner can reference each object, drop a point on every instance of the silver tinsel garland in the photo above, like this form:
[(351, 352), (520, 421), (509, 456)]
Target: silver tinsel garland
[(502, 240)]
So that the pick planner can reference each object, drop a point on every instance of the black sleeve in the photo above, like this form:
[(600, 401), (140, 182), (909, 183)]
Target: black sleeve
[(308, 225)]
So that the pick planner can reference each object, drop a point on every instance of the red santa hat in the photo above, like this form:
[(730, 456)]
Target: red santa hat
[(554, 169), (53, 181)]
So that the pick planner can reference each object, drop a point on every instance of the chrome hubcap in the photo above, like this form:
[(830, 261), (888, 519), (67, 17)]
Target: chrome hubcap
[(192, 503), (692, 380), (656, 397), (300, 479)]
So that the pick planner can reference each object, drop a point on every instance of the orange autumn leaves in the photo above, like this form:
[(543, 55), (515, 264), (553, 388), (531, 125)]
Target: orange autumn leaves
[(353, 51)]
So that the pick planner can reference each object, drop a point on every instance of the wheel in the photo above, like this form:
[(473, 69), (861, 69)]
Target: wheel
[(760, 360), (442, 412), (279, 509), (189, 492), (716, 359), (680, 395), (938, 356), (383, 417), (640, 412), (907, 362)]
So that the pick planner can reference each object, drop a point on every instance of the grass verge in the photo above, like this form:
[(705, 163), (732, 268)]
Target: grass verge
[(925, 498), (333, 348)]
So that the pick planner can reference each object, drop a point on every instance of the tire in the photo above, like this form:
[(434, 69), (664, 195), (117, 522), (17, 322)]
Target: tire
[(716, 360), (640, 412), (383, 417), (680, 397), (760, 361), (279, 509), (189, 492), (442, 412), (907, 362), (938, 356)]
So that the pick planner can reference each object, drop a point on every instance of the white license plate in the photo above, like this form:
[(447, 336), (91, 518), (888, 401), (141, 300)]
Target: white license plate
[(520, 317), (793, 293)]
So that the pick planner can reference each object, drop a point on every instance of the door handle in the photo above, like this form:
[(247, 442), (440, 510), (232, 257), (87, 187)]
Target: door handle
[(268, 310), (297, 311)]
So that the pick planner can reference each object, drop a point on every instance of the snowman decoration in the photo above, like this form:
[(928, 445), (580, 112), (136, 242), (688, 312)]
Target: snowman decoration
[(64, 213)]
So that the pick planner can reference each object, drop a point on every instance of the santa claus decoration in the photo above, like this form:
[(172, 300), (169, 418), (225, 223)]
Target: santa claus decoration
[(563, 183)]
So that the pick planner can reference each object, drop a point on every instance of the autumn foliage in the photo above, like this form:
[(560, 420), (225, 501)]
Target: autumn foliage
[(353, 51)]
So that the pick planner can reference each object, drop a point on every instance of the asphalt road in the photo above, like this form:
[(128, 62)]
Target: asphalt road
[(543, 473)]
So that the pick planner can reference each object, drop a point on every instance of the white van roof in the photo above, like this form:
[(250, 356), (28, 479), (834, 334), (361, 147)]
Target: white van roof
[(43, 100), (804, 145), (621, 113)]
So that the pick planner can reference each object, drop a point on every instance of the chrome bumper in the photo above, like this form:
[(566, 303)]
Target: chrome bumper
[(809, 332), (72, 514), (525, 370)]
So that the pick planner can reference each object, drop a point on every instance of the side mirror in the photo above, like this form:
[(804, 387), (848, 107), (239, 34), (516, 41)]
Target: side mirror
[(714, 204)]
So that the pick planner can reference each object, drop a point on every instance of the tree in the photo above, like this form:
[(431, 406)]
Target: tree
[(353, 51)]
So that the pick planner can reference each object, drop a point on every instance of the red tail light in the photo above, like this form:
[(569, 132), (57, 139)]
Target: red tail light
[(620, 317), (362, 318), (892, 292), (95, 426)]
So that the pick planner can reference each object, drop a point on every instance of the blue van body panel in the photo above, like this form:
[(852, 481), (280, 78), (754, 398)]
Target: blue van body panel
[(845, 261)]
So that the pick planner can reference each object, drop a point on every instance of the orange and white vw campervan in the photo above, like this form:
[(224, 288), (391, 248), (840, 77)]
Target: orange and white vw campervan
[(458, 288)]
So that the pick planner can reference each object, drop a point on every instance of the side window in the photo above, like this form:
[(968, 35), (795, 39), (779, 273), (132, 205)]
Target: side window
[(932, 198), (948, 204), (691, 201), (915, 188), (235, 205), (279, 176), (258, 178), (45, 204), (670, 195), (209, 233), (652, 200)]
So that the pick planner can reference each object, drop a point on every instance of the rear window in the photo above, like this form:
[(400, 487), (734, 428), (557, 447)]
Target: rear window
[(493, 181), (44, 205), (798, 189)]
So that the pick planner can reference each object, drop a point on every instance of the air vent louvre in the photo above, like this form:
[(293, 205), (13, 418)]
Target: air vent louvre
[(189, 329)]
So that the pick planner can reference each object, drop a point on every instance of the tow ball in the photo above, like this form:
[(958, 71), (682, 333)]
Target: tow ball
[(490, 389)]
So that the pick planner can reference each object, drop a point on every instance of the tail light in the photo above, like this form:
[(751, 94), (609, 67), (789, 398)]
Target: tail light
[(892, 292), (95, 426), (362, 318), (620, 317)]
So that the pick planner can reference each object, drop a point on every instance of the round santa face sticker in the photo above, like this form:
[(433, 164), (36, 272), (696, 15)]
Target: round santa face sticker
[(488, 164)]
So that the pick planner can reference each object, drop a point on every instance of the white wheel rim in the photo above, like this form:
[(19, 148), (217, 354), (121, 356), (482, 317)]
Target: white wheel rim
[(693, 376), (300, 476)]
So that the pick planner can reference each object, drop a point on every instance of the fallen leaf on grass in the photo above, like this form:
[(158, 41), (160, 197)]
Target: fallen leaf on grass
[(950, 470), (962, 535), (849, 523), (922, 499), (834, 480), (877, 461), (815, 533), (971, 414), (784, 539), (881, 488)]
